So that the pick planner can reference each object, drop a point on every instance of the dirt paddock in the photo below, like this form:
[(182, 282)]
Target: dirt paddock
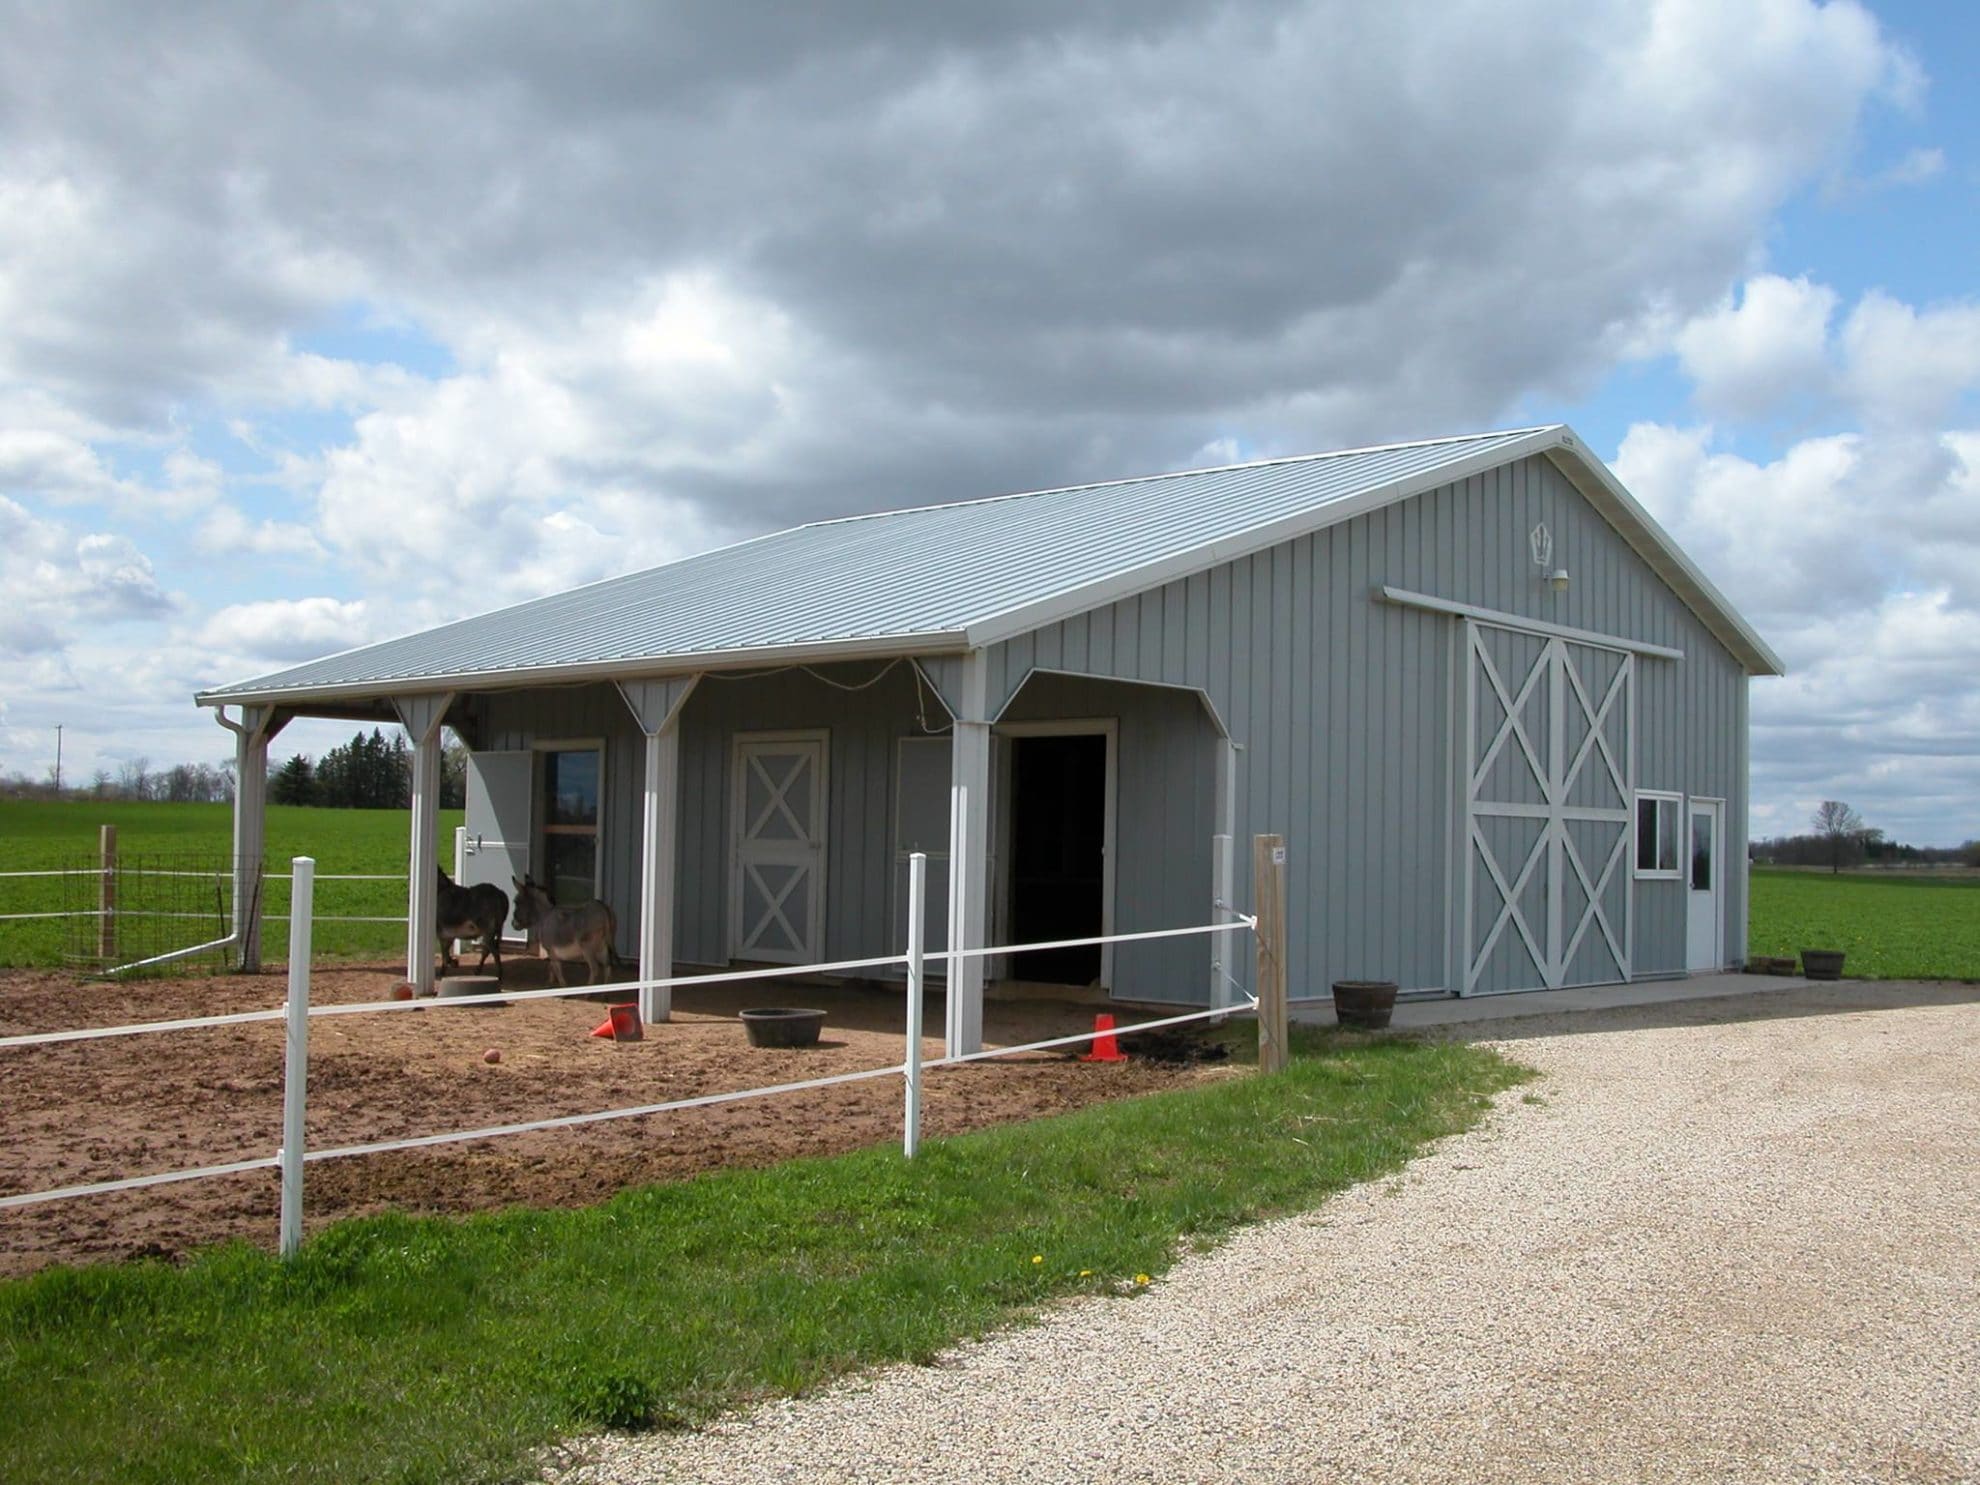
[(103, 1110)]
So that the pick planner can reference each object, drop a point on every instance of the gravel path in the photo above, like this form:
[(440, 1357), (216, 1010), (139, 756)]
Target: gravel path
[(1731, 1240)]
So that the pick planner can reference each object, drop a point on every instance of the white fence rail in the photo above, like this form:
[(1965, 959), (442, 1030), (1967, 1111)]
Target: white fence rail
[(293, 1155)]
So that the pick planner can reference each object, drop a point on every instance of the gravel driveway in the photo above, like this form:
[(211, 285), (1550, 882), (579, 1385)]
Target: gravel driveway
[(1719, 1240)]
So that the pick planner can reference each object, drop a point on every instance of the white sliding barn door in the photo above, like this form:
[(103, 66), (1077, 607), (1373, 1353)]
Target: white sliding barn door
[(777, 852), (1546, 749)]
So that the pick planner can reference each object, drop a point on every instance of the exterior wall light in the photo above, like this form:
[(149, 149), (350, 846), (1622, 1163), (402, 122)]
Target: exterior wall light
[(1558, 580)]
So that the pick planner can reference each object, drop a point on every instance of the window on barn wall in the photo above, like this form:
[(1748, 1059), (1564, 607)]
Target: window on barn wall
[(571, 779), (1657, 833)]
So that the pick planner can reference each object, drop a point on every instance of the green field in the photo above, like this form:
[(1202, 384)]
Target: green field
[(39, 836), (1892, 927)]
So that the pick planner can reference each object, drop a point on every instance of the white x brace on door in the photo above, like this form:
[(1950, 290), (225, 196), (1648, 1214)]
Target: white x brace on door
[(777, 858), (1547, 752)]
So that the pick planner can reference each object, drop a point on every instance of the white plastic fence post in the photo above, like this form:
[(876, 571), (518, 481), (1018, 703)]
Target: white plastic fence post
[(916, 948), (295, 1074)]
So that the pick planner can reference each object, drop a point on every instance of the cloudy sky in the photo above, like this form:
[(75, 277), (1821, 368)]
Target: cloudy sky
[(320, 323)]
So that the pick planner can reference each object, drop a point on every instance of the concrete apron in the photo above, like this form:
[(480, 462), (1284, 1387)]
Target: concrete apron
[(1453, 1010)]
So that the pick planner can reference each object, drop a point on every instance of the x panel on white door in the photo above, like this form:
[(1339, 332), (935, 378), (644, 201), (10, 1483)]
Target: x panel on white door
[(777, 860), (1546, 749)]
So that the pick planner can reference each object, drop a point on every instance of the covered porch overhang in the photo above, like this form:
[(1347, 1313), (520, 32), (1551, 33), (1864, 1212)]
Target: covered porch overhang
[(656, 699)]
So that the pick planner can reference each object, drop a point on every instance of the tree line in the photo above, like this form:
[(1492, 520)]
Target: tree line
[(1839, 836), (367, 773)]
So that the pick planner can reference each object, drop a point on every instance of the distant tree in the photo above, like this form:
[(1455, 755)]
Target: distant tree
[(294, 782), (366, 773), (453, 775), (1841, 828), (134, 779)]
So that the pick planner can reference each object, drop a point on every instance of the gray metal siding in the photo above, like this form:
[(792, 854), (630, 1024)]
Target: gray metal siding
[(523, 719), (1165, 790), (1342, 704), (859, 845)]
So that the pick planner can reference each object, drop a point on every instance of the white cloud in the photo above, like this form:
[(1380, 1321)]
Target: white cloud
[(1748, 359), (282, 631), (1907, 367)]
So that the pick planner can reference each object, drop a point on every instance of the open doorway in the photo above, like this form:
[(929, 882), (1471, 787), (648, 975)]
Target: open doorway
[(1059, 820)]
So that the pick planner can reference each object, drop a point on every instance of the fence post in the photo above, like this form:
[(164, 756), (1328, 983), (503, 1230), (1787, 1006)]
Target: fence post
[(295, 1074), (916, 948), (1268, 886), (106, 896)]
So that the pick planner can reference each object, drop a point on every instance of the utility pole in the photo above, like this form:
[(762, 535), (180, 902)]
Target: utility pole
[(58, 760)]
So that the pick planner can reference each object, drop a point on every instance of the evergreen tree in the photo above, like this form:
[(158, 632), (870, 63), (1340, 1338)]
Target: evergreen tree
[(294, 782)]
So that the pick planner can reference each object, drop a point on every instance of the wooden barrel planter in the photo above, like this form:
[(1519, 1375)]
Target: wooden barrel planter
[(1364, 1005), (1822, 964), (782, 1026)]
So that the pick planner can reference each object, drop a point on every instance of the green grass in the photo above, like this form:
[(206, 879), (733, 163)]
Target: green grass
[(403, 1349), (1891, 927), (37, 836)]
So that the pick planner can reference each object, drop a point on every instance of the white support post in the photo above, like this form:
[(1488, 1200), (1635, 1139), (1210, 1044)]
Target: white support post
[(657, 706), (969, 850), (916, 969), (295, 1073), (251, 738), (1221, 908), (660, 817), (422, 716), (422, 898)]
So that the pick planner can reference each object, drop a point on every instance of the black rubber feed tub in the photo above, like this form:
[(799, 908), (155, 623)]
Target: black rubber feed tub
[(782, 1026)]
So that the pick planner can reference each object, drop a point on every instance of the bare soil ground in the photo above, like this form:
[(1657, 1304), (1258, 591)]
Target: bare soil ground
[(107, 1109)]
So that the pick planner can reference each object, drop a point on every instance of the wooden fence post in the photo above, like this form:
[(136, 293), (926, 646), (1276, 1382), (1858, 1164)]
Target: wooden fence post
[(106, 895), (1268, 888)]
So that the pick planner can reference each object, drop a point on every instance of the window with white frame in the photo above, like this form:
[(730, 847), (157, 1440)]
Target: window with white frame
[(1657, 818)]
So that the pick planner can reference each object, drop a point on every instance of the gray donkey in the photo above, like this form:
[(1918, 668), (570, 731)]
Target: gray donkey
[(584, 932), (471, 913)]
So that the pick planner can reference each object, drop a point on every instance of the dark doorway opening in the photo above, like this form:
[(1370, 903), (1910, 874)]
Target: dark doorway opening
[(1058, 853)]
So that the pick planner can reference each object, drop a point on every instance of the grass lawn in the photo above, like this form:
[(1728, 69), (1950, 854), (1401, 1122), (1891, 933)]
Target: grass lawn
[(1892, 927), (37, 835), (449, 1350)]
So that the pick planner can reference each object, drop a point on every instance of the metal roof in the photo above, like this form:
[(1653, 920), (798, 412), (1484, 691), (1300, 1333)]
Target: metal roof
[(923, 580)]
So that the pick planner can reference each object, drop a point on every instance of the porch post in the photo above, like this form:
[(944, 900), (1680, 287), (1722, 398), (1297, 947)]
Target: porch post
[(421, 716), (969, 852), (657, 707), (1222, 886), (251, 737)]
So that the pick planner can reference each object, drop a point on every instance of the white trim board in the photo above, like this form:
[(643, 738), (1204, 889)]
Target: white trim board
[(1502, 620)]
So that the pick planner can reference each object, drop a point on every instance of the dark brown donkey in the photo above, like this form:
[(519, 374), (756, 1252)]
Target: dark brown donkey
[(471, 913)]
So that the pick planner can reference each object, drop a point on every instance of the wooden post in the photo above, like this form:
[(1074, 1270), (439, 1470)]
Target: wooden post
[(1268, 888), (106, 896)]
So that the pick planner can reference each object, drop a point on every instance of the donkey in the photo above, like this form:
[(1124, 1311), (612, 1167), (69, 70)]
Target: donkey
[(471, 913), (584, 932)]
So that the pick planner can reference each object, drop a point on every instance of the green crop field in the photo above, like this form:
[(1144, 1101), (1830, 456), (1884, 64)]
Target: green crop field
[(41, 836), (1892, 927)]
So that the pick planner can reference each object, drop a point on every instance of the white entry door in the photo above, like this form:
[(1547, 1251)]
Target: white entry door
[(777, 854), (495, 843), (1545, 739), (1705, 896)]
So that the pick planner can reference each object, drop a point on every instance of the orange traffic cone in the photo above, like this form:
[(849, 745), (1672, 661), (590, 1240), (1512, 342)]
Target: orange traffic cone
[(1105, 1048), (622, 1024)]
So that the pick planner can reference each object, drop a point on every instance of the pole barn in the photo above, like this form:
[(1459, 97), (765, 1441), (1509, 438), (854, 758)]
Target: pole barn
[(1498, 717)]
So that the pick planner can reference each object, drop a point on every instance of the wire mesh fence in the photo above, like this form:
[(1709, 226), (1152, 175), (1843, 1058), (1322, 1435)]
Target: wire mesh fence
[(98, 911)]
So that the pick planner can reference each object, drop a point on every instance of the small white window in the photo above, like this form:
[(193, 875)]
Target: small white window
[(1657, 833)]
